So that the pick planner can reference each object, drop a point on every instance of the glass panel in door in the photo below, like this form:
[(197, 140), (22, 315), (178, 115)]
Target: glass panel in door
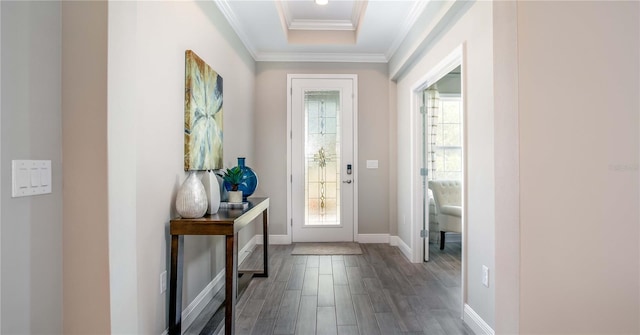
[(323, 173), (322, 158)]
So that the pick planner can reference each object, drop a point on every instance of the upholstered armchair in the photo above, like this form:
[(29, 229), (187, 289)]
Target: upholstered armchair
[(448, 203)]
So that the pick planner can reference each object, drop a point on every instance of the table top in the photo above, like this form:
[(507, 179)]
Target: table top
[(226, 221)]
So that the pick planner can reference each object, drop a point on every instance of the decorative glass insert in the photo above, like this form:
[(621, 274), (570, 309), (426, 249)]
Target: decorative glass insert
[(322, 157)]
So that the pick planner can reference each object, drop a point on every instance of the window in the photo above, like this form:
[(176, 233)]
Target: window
[(447, 146)]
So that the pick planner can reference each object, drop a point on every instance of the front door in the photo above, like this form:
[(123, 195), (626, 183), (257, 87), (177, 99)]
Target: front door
[(322, 158)]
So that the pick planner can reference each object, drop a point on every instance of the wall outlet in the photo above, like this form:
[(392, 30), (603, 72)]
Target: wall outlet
[(163, 282), (485, 276)]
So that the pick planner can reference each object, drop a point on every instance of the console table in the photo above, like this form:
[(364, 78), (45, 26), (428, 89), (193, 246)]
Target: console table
[(227, 222)]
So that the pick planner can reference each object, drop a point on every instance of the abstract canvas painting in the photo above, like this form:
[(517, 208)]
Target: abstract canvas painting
[(202, 115)]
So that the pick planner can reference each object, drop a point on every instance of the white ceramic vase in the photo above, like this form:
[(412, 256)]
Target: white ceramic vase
[(212, 189), (191, 201), (235, 197)]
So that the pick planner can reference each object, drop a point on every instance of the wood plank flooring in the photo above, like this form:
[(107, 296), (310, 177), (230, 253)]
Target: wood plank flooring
[(378, 292)]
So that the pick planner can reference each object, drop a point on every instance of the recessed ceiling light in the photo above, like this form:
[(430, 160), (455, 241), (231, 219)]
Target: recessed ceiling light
[(322, 2)]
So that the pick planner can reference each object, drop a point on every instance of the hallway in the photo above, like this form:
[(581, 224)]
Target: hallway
[(378, 292)]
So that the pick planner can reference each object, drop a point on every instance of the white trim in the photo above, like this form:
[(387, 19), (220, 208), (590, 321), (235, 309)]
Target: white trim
[(475, 322), (446, 65), (415, 12), (227, 12), (450, 62), (354, 79), (393, 241), (289, 223), (372, 238), (274, 239), (203, 298), (355, 145), (247, 249), (448, 14), (456, 58), (198, 304), (358, 12), (329, 25), (284, 12), (320, 57), (396, 241), (1, 164)]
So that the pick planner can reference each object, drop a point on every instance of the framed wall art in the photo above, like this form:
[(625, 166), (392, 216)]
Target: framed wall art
[(202, 115)]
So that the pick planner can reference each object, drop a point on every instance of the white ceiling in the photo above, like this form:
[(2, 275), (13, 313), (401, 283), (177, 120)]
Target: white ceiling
[(342, 30)]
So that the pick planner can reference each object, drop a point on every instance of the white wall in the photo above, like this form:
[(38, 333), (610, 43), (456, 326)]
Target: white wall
[(373, 139), (578, 109), (121, 129), (31, 129), (506, 275), (147, 45), (474, 30)]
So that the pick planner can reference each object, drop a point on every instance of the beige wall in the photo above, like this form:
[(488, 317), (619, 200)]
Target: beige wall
[(31, 129), (373, 139), (146, 112), (474, 30), (578, 109), (84, 119)]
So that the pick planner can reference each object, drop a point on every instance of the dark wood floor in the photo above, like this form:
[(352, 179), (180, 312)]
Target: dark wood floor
[(378, 292)]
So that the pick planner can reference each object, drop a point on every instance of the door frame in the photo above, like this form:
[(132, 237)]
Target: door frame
[(456, 58), (354, 78)]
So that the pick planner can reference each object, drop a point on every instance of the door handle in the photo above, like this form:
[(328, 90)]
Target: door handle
[(346, 181)]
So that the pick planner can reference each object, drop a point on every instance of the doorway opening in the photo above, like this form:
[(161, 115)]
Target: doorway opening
[(439, 154), (439, 210), (322, 160), (442, 157)]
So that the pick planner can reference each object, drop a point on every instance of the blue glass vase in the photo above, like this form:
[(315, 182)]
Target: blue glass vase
[(249, 180)]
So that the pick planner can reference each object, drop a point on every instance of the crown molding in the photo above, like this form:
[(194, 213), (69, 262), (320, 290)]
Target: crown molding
[(415, 12), (322, 25), (321, 57), (227, 12), (358, 11), (339, 25)]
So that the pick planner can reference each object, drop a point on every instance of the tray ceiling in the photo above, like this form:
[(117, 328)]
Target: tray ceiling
[(342, 30)]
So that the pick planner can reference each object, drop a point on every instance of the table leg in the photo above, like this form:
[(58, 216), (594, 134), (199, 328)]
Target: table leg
[(175, 287), (231, 284), (265, 242)]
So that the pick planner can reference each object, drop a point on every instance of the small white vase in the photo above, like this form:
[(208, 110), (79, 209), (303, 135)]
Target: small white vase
[(212, 189), (235, 196), (191, 201)]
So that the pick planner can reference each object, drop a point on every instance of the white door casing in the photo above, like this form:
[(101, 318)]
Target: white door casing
[(419, 254), (322, 146)]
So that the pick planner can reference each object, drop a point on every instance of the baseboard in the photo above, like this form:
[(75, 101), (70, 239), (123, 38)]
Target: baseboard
[(203, 298), (396, 241), (393, 241), (475, 322), (247, 249), (373, 238), (192, 311), (362, 238), (274, 239)]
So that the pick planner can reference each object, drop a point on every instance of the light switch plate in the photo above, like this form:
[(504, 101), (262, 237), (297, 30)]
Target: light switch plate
[(485, 276), (30, 177), (372, 164)]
